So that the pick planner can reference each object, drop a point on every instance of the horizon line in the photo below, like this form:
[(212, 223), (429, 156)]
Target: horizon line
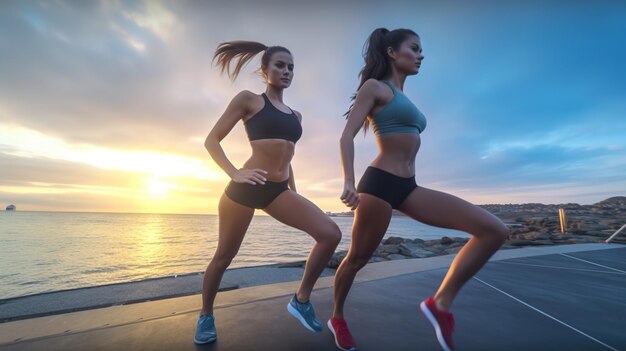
[(264, 214)]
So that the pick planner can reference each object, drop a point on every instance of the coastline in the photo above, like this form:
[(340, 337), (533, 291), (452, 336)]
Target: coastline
[(153, 289), (530, 224)]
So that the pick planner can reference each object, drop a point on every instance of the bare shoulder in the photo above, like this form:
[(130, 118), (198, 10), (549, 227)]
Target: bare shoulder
[(374, 85), (373, 88), (248, 101), (244, 97)]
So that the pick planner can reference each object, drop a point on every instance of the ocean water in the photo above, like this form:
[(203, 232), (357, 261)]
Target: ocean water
[(50, 251)]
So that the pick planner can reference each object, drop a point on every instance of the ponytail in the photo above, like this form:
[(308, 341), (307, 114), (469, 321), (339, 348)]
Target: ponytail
[(243, 51), (375, 55), (377, 63)]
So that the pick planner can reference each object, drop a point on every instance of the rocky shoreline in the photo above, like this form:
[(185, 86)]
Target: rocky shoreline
[(530, 224)]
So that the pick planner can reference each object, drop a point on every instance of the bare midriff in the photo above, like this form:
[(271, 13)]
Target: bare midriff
[(396, 153), (273, 156)]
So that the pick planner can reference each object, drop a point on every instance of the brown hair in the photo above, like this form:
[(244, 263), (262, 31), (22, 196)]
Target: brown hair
[(377, 63), (243, 51)]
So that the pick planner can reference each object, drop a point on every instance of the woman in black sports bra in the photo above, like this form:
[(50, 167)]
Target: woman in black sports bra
[(389, 183), (265, 181)]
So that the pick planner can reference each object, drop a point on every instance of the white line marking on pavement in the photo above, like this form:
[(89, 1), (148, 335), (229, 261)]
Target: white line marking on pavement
[(556, 267), (547, 315), (597, 264)]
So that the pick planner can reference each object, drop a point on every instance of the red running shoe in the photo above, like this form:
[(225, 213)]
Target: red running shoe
[(442, 321), (343, 338)]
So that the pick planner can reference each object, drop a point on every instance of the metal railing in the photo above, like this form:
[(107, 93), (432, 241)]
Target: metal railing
[(615, 234)]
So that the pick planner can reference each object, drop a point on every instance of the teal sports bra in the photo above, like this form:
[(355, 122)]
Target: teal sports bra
[(400, 115)]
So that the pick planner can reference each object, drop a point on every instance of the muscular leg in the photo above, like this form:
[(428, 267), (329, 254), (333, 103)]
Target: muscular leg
[(296, 211), (371, 220), (443, 210), (234, 220)]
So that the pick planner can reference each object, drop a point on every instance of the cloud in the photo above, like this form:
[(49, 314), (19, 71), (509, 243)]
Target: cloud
[(515, 94), (27, 143)]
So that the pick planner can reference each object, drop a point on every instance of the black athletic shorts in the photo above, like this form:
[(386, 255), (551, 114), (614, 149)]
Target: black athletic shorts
[(386, 186), (257, 195)]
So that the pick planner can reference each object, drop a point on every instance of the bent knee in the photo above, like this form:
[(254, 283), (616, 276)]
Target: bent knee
[(330, 234), (493, 230), (356, 263), (335, 234), (500, 231), (221, 261)]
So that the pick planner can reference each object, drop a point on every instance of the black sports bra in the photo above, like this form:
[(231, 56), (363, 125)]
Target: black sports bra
[(272, 123)]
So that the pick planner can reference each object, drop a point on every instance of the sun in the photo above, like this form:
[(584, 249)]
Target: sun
[(158, 188)]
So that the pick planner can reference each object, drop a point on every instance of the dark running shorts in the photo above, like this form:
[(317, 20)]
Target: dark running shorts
[(386, 186), (255, 196)]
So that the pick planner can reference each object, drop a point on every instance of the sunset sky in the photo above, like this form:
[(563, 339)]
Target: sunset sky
[(105, 105)]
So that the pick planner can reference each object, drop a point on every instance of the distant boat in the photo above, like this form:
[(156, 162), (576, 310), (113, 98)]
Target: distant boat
[(10, 208)]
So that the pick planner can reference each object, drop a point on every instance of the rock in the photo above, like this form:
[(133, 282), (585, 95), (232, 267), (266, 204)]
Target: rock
[(415, 250), (387, 249), (618, 240), (521, 229), (337, 258), (406, 248), (376, 259), (437, 248), (446, 241), (396, 257), (558, 236), (531, 224), (616, 201), (393, 240), (543, 236), (575, 226), (593, 227), (597, 234), (431, 242), (423, 253), (452, 250)]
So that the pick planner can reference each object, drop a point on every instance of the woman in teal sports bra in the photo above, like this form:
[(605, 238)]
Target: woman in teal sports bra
[(389, 183)]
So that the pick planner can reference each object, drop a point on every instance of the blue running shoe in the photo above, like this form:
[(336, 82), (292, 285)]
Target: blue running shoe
[(205, 332), (304, 313)]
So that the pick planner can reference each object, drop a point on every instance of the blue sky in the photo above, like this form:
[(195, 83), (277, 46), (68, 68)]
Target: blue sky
[(104, 106)]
